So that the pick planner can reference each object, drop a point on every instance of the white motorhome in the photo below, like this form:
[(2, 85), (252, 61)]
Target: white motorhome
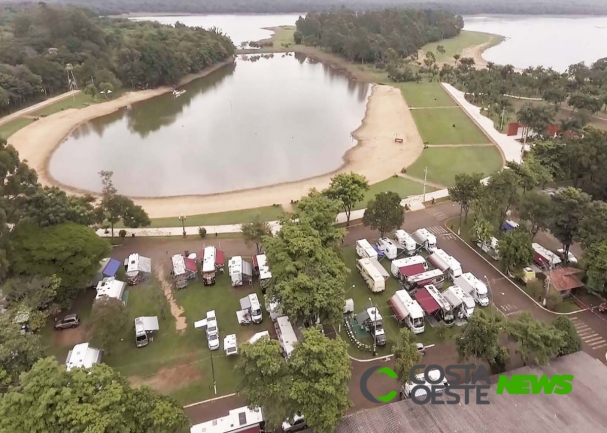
[(491, 247), (380, 268), (138, 268), (397, 264), (258, 336), (144, 327), (446, 313), (434, 376), (230, 345), (405, 242), (387, 247), (250, 310), (365, 250), (435, 277), (212, 329), (110, 287), (286, 335), (456, 302), (468, 303), (371, 275), (545, 258), (474, 287), (424, 239), (184, 269), (260, 263), (241, 420), (83, 356), (209, 268), (443, 261), (240, 270), (407, 311)]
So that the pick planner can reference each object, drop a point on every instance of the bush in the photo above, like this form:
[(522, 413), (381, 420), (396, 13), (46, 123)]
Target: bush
[(441, 331), (202, 232), (122, 233), (380, 65), (403, 170), (553, 300), (535, 289)]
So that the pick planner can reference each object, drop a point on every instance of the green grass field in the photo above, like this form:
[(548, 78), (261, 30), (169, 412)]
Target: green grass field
[(78, 101), (283, 35), (404, 188), (436, 126), (13, 126), (268, 213), (444, 163), (426, 94), (457, 44)]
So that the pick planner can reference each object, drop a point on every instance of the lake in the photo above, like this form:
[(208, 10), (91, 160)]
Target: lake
[(548, 41), (252, 124)]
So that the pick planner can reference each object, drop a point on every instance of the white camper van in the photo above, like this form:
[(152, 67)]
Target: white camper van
[(435, 277), (468, 304), (443, 261), (397, 264), (365, 250), (405, 242), (241, 271), (250, 310), (83, 356), (144, 327), (424, 239), (260, 263), (371, 275), (474, 287), (407, 311), (286, 335), (387, 247), (209, 269)]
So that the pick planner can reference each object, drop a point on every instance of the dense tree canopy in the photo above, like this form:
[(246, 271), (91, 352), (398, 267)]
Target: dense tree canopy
[(17, 352), (384, 213), (108, 52)]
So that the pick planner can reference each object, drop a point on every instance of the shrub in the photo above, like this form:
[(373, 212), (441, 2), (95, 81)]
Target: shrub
[(535, 289), (122, 233), (441, 331), (553, 300), (403, 170), (202, 232)]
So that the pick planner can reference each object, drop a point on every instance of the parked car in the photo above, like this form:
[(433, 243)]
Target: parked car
[(69, 321), (213, 341), (298, 423), (561, 254)]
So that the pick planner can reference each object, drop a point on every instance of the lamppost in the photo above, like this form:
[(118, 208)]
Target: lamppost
[(182, 219), (213, 370), (374, 329), (489, 287)]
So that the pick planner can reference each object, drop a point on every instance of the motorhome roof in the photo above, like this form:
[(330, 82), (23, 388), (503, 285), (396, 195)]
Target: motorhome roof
[(208, 260), (178, 264), (137, 263), (286, 334), (264, 269), (82, 356), (426, 276), (110, 288), (407, 261), (235, 421), (438, 297), (371, 312), (363, 243), (370, 269), (549, 256), (465, 297), (254, 301), (255, 338), (426, 301)]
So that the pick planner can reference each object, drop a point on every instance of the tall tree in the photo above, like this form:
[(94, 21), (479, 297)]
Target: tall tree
[(465, 191), (17, 352), (350, 189), (535, 207), (265, 380), (70, 251), (593, 226), (569, 206), (515, 249), (98, 400), (525, 116), (536, 341), (571, 341), (406, 355), (480, 340), (595, 262), (482, 230), (320, 212), (502, 192), (109, 320), (384, 213), (255, 231), (531, 173), (320, 370), (36, 295), (51, 206)]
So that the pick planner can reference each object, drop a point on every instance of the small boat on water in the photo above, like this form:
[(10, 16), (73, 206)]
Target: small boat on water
[(178, 93)]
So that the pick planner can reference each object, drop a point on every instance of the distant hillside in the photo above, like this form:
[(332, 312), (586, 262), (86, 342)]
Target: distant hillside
[(535, 7)]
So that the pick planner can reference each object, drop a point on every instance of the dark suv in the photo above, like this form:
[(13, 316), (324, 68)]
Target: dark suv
[(69, 321)]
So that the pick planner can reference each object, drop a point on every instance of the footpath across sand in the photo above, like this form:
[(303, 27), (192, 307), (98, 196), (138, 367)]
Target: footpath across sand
[(376, 155)]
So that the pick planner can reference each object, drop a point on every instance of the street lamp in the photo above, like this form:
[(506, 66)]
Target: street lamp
[(489, 287), (374, 329), (182, 219)]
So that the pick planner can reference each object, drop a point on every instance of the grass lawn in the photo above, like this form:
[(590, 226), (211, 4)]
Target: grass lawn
[(425, 94), (444, 163), (80, 100), (268, 213), (283, 35), (13, 126), (462, 41), (436, 127), (404, 188)]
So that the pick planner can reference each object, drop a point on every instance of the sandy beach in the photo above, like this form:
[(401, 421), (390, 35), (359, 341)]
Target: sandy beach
[(376, 155)]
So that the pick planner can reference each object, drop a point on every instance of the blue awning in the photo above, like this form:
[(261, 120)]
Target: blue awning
[(111, 268)]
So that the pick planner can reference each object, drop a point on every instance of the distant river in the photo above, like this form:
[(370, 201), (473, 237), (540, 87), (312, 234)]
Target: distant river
[(253, 124), (548, 41)]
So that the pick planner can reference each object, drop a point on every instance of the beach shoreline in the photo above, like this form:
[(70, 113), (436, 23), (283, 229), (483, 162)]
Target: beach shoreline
[(376, 155)]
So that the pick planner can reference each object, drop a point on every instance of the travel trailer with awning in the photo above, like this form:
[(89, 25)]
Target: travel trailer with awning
[(138, 268), (405, 242), (241, 271), (375, 281), (424, 239), (365, 250), (407, 311)]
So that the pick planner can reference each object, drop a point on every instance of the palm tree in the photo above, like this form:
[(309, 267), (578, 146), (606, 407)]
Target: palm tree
[(525, 116)]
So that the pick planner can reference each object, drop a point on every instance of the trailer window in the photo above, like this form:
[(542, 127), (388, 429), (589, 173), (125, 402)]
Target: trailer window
[(142, 337)]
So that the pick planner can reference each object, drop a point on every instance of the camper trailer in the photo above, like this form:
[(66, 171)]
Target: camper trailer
[(446, 313), (241, 271), (447, 264), (454, 301), (365, 250), (286, 335), (250, 310), (241, 420), (407, 311), (467, 301), (373, 323), (260, 263), (435, 277), (387, 247), (424, 239), (474, 287), (184, 269), (144, 328), (491, 248), (371, 275), (380, 268), (397, 265), (230, 345), (209, 268), (138, 268), (83, 356), (405, 242), (544, 258), (110, 287)]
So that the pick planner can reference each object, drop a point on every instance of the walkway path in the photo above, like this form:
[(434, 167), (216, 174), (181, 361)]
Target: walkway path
[(37, 107), (417, 180)]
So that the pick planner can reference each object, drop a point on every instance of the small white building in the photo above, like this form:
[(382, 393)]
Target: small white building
[(138, 268), (242, 419), (83, 356), (110, 288)]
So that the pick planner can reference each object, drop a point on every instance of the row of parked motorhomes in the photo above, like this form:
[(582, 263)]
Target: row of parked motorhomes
[(421, 280)]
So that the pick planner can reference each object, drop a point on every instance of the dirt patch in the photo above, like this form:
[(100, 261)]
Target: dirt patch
[(70, 337), (176, 310), (168, 379)]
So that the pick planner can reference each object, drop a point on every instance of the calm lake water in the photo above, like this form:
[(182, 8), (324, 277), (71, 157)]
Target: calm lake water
[(240, 28), (555, 42), (248, 125)]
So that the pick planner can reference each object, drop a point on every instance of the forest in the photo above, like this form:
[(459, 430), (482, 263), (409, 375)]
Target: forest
[(376, 36), (533, 7), (37, 42)]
